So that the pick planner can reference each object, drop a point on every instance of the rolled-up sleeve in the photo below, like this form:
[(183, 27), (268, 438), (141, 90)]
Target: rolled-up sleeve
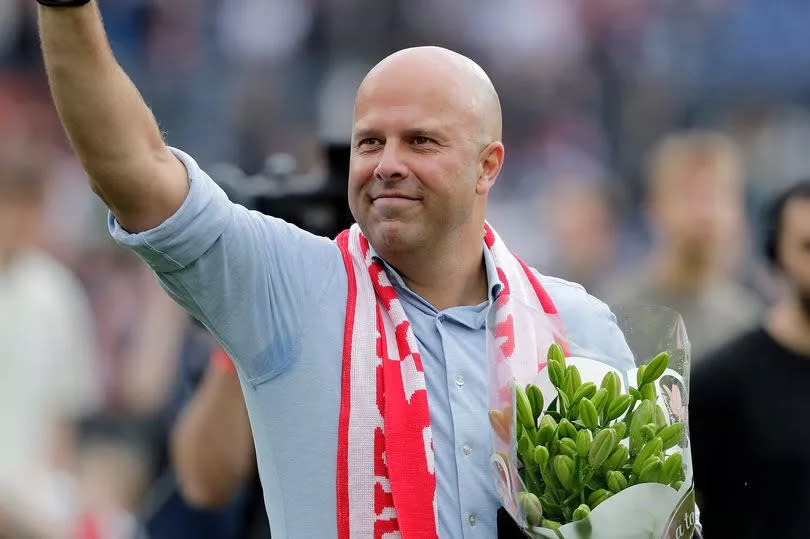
[(190, 232)]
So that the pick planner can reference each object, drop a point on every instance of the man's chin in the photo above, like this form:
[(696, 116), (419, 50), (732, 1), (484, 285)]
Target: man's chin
[(391, 237), (698, 251)]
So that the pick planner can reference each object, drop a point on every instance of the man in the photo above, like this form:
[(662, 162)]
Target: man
[(402, 300), (749, 402), (48, 379), (585, 215), (696, 215)]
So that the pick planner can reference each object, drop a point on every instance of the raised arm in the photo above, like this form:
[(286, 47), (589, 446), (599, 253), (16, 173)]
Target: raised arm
[(250, 279), (110, 127)]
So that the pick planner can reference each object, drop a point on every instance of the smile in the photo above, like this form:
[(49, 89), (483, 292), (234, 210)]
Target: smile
[(393, 199)]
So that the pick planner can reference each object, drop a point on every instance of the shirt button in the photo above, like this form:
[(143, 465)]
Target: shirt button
[(466, 449), (472, 519), (459, 380)]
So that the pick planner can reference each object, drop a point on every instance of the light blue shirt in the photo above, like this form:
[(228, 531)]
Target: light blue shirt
[(275, 297)]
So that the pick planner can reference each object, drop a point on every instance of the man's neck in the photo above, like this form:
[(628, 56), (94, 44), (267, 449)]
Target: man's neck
[(789, 325), (683, 275), (452, 279)]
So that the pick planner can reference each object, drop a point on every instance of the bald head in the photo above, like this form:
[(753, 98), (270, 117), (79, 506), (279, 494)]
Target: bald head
[(426, 151), (443, 75)]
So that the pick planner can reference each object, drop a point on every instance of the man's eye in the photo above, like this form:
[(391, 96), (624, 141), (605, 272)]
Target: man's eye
[(369, 142), (419, 140)]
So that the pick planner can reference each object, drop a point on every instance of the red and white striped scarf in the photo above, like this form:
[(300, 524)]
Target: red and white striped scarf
[(386, 483)]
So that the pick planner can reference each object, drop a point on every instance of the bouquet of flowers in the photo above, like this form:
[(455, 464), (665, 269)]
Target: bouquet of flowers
[(585, 449)]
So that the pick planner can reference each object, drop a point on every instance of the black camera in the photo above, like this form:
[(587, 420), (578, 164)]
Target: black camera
[(315, 202)]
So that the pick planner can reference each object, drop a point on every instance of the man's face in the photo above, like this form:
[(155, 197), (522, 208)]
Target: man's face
[(414, 163), (794, 246), (698, 206)]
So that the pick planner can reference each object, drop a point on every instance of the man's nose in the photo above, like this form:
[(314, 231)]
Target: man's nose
[(392, 165)]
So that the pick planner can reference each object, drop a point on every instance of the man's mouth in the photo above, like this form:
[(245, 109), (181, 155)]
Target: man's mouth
[(394, 198)]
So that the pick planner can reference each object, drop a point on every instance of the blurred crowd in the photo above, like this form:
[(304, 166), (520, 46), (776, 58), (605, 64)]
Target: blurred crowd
[(642, 136)]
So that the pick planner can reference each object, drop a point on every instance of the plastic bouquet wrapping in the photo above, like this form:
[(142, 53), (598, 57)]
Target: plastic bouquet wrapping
[(586, 445)]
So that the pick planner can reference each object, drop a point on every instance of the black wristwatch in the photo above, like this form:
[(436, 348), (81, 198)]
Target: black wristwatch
[(63, 3)]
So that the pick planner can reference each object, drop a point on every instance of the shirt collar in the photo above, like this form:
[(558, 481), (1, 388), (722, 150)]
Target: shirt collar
[(494, 284)]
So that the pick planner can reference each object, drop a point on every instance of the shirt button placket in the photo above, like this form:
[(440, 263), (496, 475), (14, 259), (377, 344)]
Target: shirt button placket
[(459, 404)]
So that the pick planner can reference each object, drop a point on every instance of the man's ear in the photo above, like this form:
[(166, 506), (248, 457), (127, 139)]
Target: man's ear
[(491, 161)]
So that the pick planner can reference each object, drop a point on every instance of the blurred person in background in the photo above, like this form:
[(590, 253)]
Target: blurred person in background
[(213, 460), (133, 328), (749, 401), (207, 485), (695, 210), (48, 378), (583, 214), (121, 449)]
